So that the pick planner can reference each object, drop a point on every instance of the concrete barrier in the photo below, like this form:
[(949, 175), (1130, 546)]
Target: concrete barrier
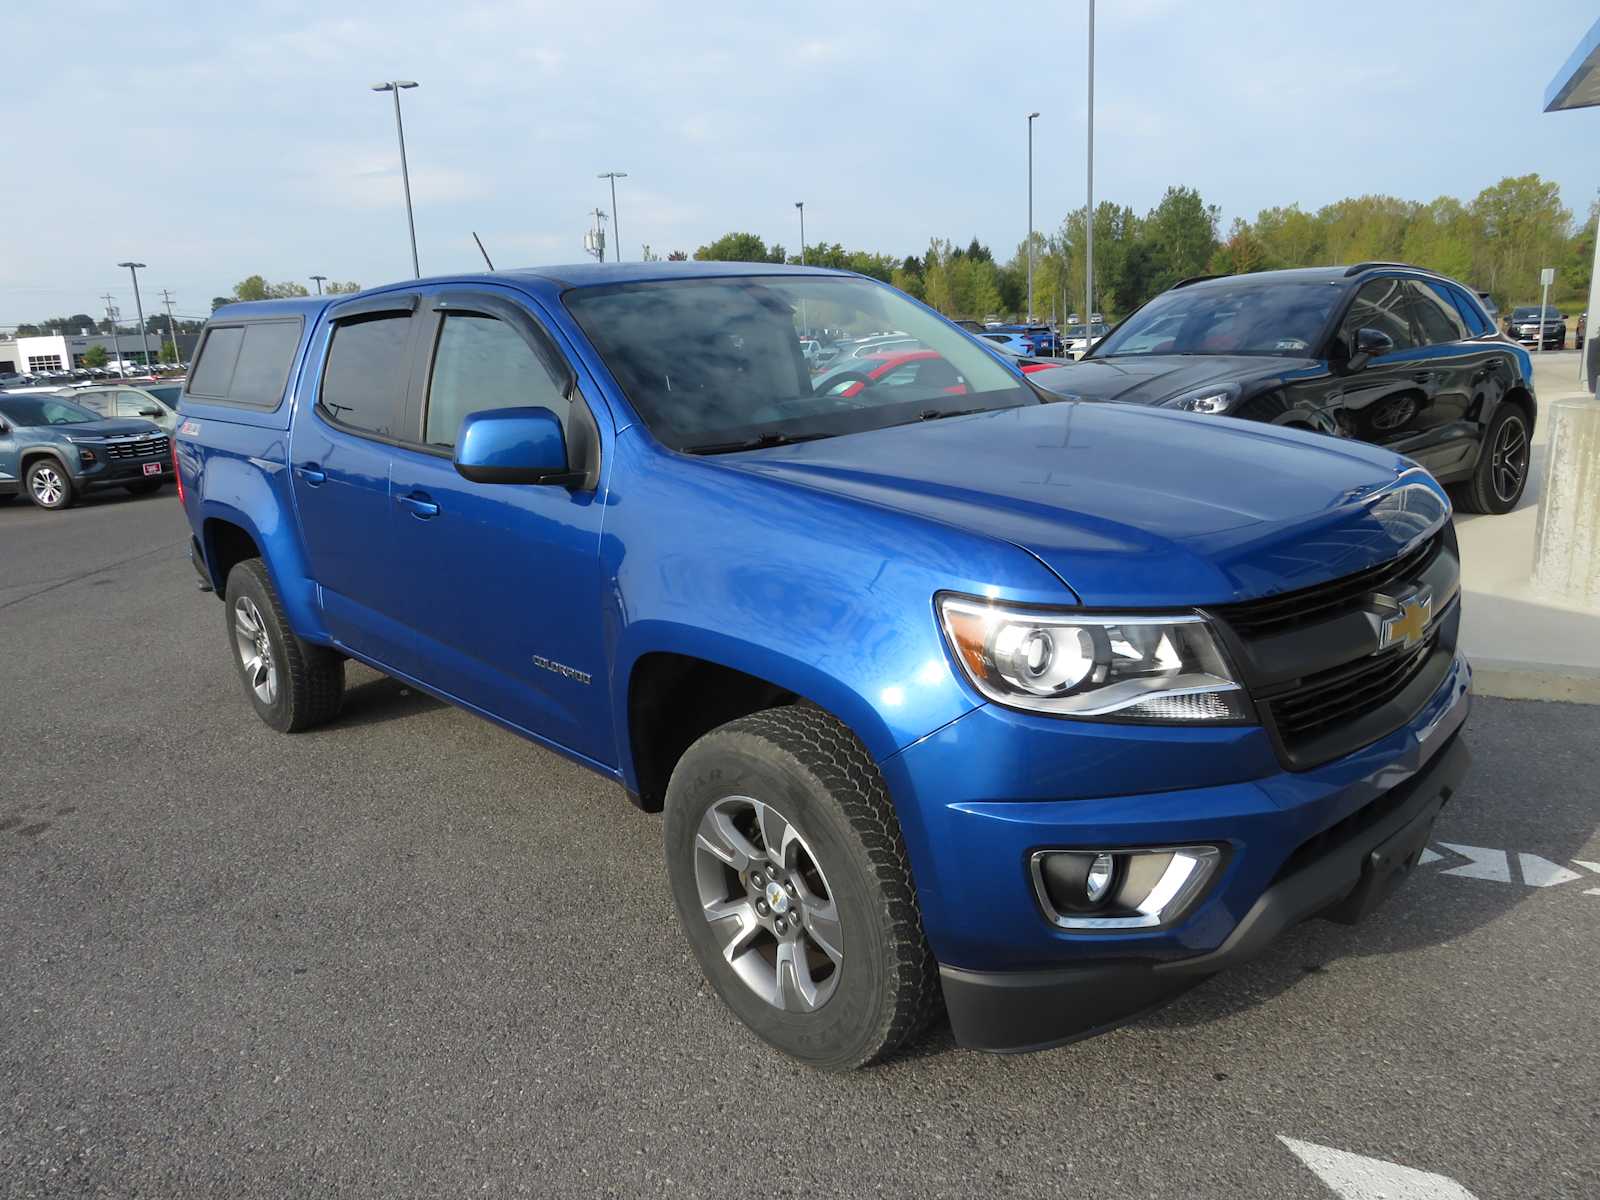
[(1566, 559)]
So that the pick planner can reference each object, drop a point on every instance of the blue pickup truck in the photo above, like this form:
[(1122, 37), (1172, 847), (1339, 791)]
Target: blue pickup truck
[(952, 692)]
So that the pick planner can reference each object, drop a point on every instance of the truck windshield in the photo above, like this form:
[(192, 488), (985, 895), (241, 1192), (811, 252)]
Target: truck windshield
[(43, 410), (1244, 316), (714, 365)]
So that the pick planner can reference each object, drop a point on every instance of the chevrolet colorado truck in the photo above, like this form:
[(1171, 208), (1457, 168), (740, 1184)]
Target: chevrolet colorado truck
[(952, 692)]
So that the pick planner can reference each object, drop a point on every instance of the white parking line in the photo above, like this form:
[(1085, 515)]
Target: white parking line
[(1357, 1177)]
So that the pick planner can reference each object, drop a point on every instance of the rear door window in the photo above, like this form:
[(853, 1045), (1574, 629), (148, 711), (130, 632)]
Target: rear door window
[(1436, 314), (364, 383), (1477, 321)]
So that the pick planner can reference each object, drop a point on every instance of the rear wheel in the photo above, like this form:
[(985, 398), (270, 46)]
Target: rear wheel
[(790, 878), (1500, 477), (292, 684), (49, 485)]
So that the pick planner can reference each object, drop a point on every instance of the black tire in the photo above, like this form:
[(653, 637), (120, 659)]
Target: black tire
[(805, 766), (307, 681), (49, 485), (1498, 481), (144, 487)]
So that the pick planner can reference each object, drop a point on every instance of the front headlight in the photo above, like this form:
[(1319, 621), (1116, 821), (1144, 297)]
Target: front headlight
[(1214, 398), (1121, 668)]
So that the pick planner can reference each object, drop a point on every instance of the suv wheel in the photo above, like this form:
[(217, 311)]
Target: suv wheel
[(292, 684), (49, 485), (790, 878), (1501, 475)]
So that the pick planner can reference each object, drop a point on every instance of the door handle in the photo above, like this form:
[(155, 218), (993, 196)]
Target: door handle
[(420, 505), (1423, 376), (311, 474)]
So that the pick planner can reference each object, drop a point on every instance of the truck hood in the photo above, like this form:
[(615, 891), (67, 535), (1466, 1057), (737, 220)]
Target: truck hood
[(1136, 507), (1152, 378), (110, 427)]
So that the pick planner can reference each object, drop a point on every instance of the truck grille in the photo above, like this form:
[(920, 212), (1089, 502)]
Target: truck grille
[(1306, 606), (150, 447), (1321, 702)]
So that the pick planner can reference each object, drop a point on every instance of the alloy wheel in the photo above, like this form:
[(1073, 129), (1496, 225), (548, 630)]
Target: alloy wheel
[(47, 487), (1508, 465), (255, 650), (767, 901)]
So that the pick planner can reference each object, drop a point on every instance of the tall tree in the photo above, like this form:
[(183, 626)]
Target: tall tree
[(1182, 233)]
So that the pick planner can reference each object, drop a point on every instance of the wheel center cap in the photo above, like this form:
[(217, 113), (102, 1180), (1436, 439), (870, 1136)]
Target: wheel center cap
[(777, 898)]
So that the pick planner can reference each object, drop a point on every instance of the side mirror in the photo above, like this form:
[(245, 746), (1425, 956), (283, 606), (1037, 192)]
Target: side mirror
[(151, 412), (1370, 344), (514, 445)]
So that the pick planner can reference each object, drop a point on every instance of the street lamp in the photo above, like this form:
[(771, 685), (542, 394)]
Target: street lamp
[(616, 223), (1088, 213), (144, 334), (319, 279), (801, 205), (1031, 118), (397, 86)]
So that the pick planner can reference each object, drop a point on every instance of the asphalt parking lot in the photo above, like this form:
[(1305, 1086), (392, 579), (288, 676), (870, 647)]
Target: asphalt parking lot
[(410, 954)]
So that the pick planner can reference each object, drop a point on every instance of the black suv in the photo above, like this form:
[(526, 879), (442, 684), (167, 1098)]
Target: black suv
[(1525, 324), (1383, 352)]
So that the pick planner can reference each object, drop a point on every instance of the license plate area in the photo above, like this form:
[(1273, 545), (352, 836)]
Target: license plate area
[(1386, 865), (152, 468)]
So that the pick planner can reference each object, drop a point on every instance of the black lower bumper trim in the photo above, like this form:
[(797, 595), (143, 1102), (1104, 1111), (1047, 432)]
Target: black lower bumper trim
[(198, 562), (1030, 1010)]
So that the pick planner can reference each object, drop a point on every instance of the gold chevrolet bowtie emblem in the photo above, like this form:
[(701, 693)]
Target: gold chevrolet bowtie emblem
[(1408, 626)]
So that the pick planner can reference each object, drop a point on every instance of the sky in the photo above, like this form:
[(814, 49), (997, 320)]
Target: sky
[(218, 140)]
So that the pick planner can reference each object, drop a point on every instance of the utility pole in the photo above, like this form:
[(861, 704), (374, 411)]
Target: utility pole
[(801, 205), (1031, 117), (111, 315), (616, 221), (1088, 213), (144, 335), (397, 86), (319, 279), (166, 299), (597, 236)]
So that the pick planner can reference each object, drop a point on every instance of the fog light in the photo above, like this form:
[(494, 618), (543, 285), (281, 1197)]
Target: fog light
[(1098, 882), (1143, 888)]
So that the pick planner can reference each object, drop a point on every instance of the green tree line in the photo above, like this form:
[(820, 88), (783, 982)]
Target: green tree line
[(1496, 242)]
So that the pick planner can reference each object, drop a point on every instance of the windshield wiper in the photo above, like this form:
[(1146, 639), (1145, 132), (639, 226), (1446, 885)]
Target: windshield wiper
[(759, 442), (935, 414)]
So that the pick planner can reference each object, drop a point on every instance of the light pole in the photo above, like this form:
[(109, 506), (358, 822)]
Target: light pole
[(801, 205), (616, 222), (144, 334), (319, 279), (1031, 117), (1088, 213), (397, 86)]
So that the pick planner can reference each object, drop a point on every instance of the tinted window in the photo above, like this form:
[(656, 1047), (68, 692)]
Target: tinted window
[(1477, 321), (1436, 314), (364, 385), (1380, 305), (1241, 315), (263, 366), (129, 404), (481, 363), (215, 368)]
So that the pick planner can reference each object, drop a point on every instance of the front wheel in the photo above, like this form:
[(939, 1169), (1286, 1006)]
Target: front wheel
[(1498, 480), (790, 877), (49, 485), (292, 684)]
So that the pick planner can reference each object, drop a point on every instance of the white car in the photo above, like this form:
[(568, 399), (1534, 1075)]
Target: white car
[(128, 402)]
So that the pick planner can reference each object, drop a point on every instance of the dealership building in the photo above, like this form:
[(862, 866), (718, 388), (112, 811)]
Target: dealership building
[(65, 351)]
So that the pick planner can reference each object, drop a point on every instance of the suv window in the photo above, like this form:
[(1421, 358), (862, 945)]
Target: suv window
[(1477, 321), (1437, 317), (1380, 305), (481, 362), (246, 364), (129, 404), (364, 383)]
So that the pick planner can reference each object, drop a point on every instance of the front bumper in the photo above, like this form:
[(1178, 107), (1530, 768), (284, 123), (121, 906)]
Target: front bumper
[(1296, 844)]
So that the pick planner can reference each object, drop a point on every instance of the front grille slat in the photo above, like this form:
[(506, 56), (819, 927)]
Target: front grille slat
[(150, 447), (1277, 614), (1318, 705)]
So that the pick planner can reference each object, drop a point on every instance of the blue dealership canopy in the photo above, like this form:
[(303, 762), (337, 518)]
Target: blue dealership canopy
[(1577, 84)]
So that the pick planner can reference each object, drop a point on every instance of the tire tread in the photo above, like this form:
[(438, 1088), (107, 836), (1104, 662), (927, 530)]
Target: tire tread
[(313, 675)]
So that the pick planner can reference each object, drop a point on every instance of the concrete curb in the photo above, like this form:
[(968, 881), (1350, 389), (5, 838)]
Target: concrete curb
[(1512, 680)]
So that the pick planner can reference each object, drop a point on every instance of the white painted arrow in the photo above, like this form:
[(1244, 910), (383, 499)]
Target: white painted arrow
[(1356, 1177), (1429, 856), (1589, 866), (1541, 872), (1486, 863)]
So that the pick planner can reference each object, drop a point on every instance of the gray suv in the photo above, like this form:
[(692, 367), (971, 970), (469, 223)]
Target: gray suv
[(53, 450)]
